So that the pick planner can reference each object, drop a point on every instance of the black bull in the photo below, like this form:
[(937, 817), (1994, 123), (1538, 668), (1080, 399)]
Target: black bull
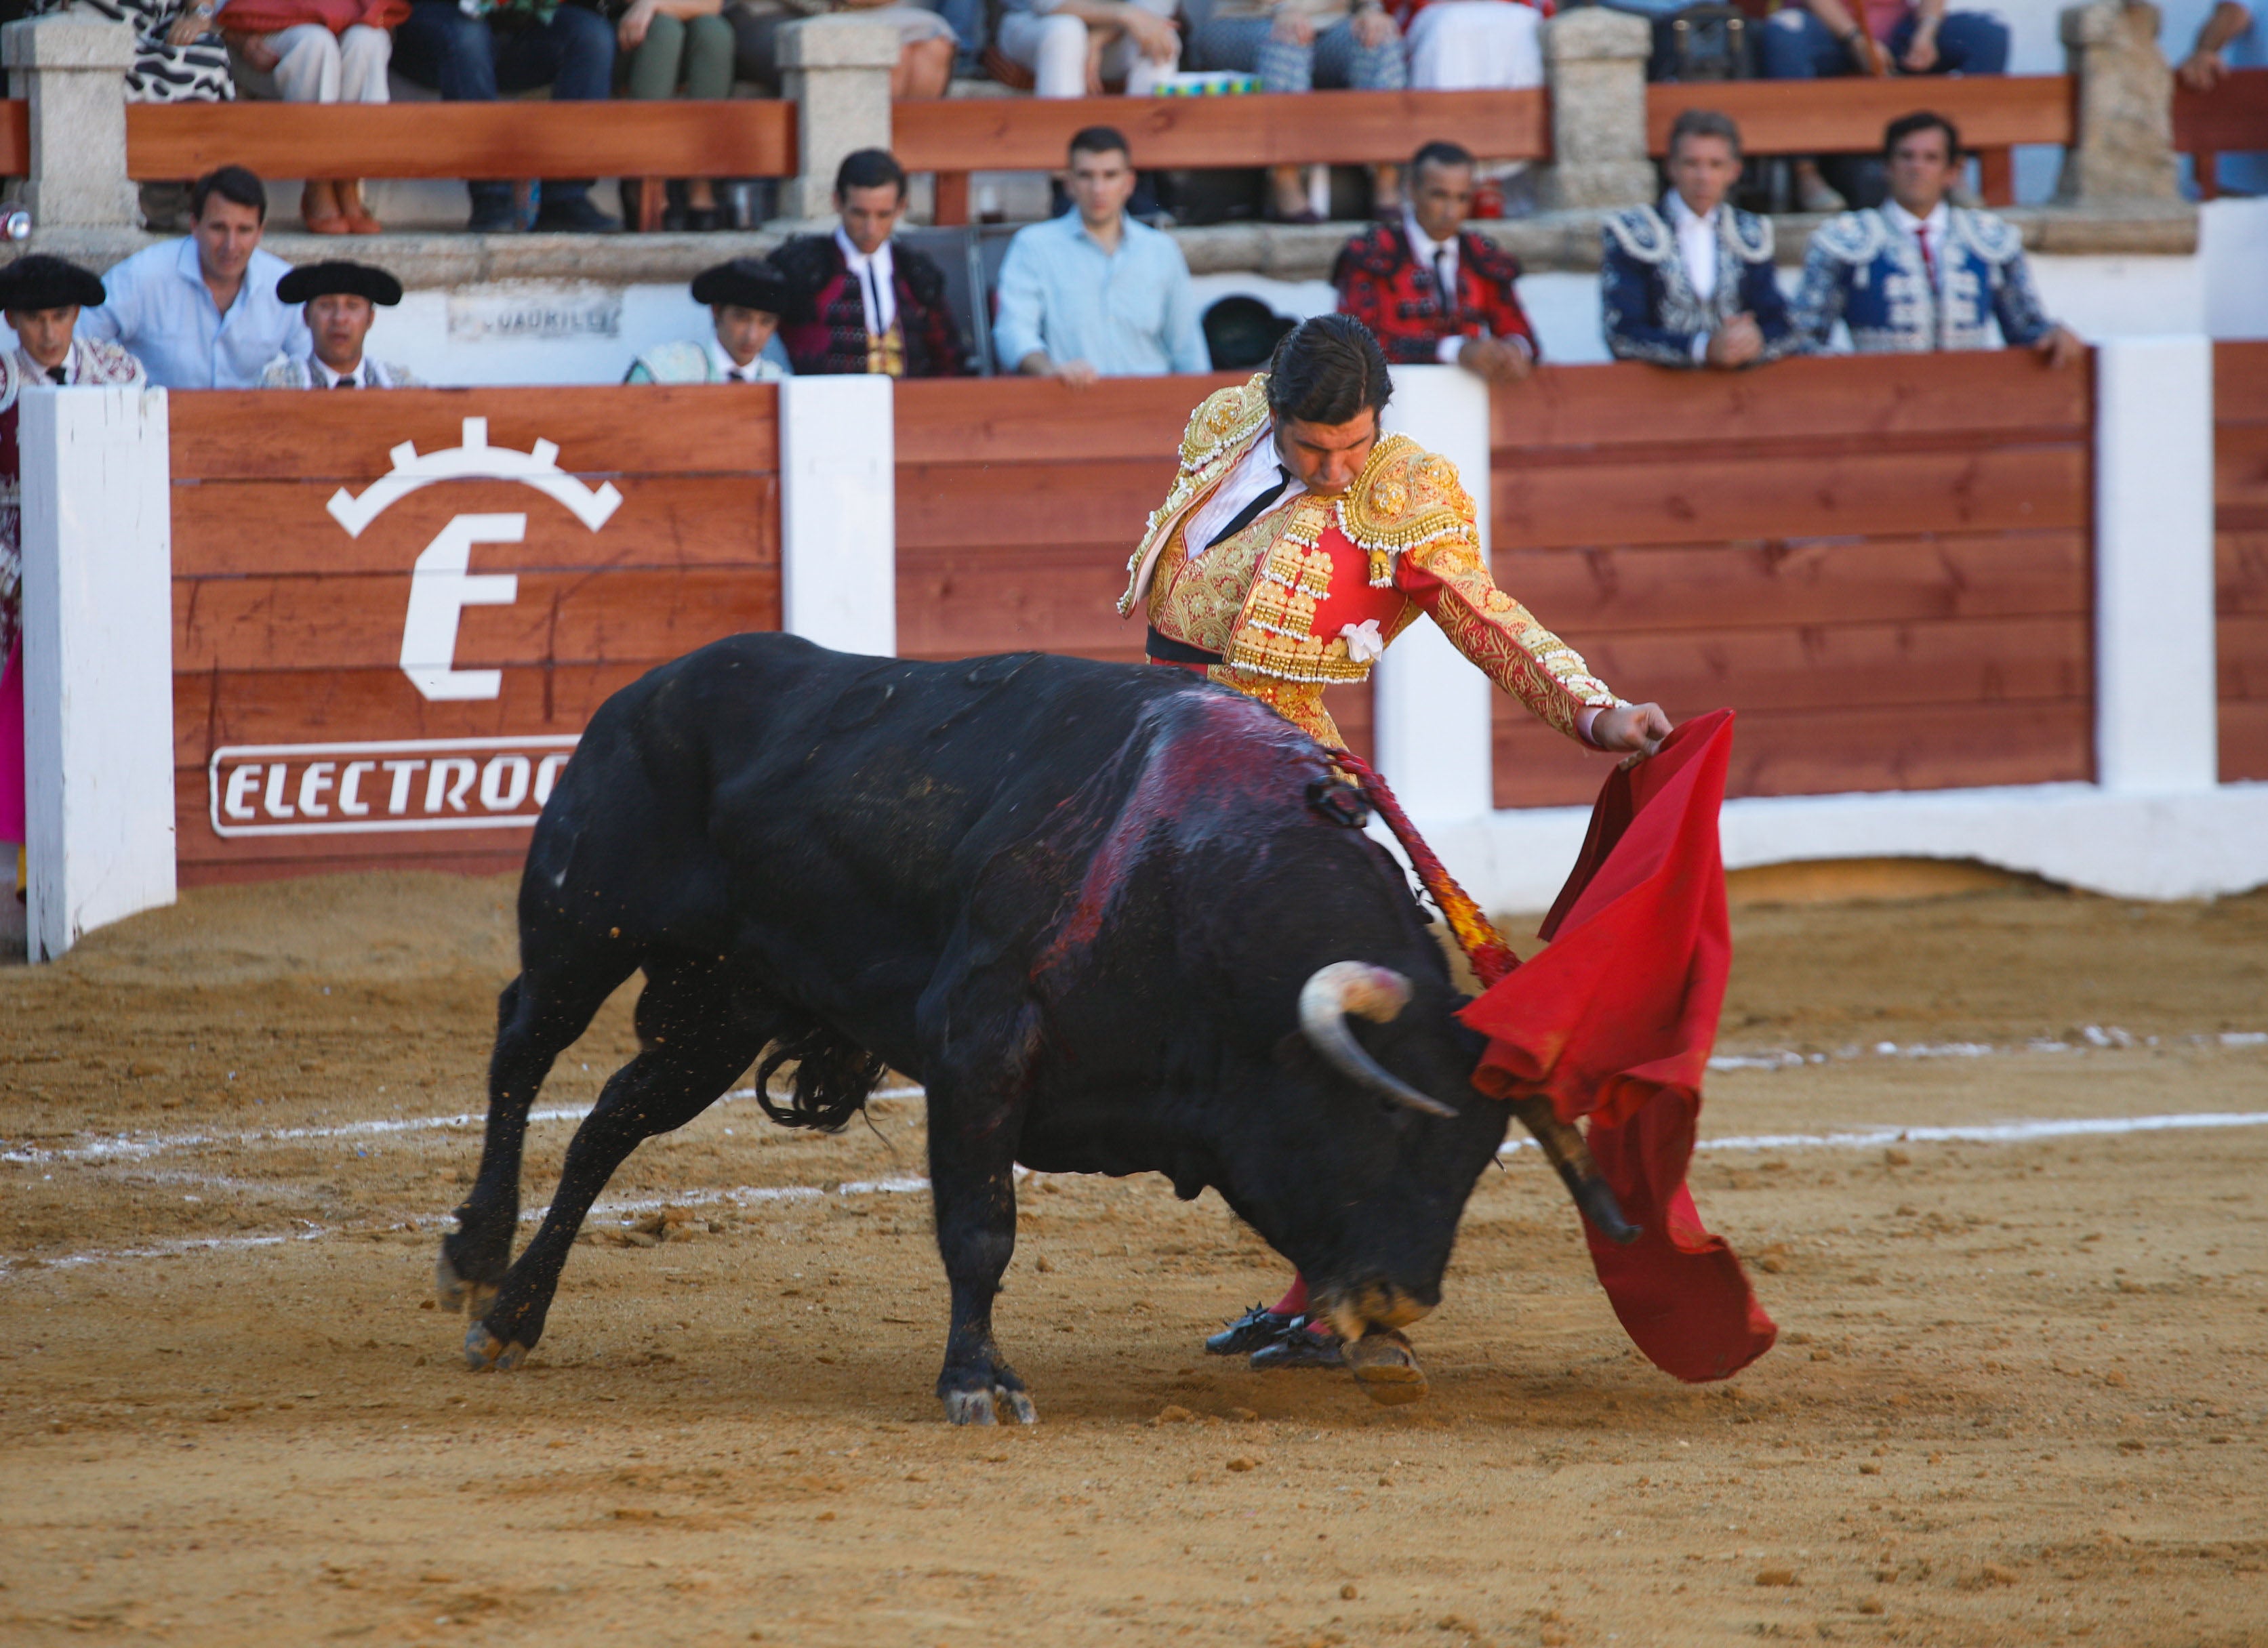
[(1101, 912)]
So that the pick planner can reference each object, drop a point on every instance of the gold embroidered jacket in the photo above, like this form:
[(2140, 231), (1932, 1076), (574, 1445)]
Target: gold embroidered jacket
[(1311, 592)]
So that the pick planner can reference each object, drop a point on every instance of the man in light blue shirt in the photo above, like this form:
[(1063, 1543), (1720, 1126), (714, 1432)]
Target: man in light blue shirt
[(202, 314), (1094, 294)]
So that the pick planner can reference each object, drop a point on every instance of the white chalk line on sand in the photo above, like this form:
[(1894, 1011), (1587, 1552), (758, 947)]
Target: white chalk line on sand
[(127, 1147), (908, 1184)]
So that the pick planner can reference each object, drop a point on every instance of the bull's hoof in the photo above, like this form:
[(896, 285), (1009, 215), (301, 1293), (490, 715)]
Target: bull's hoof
[(984, 1406), (1387, 1367), (485, 1353), (452, 1292)]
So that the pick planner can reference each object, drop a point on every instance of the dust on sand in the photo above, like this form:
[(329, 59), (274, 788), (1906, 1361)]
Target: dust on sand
[(2018, 1398)]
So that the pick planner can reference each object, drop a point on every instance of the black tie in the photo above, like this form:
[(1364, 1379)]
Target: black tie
[(1252, 511), (874, 298), (56, 372), (345, 383), (1445, 282)]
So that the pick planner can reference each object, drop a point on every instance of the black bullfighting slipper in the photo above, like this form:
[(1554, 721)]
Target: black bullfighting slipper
[(1255, 1328), (1300, 1346)]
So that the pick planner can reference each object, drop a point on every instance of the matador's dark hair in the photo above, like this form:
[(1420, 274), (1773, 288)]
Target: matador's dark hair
[(1326, 371), (868, 168), (1921, 119)]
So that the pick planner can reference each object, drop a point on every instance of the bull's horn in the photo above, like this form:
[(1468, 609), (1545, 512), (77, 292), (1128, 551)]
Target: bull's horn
[(1379, 994), (1570, 1156)]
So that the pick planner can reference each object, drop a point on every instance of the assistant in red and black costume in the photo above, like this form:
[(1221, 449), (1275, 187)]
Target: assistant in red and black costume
[(1430, 290), (1296, 542), (858, 302)]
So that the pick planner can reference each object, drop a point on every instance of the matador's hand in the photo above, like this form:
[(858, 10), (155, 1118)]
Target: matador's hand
[(1638, 728)]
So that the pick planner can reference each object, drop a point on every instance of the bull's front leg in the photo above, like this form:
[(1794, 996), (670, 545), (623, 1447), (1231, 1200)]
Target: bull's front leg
[(972, 1186)]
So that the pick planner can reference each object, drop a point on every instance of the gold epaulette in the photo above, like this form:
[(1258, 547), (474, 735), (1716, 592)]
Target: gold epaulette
[(1405, 497), (1223, 421)]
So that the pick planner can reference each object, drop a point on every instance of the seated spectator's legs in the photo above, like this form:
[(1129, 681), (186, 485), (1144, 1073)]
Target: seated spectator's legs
[(1123, 61), (1476, 45), (1797, 46), (1344, 63), (306, 64), (440, 47), (1053, 47), (755, 45), (1232, 45), (364, 54), (699, 51), (1968, 43), (573, 54), (660, 59)]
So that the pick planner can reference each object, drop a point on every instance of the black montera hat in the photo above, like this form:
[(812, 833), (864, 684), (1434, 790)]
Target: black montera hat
[(354, 280), (40, 282), (747, 282), (1241, 331)]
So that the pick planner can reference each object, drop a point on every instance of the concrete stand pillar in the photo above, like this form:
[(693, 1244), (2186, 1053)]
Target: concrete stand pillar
[(2124, 147), (1594, 63), (72, 71), (837, 72)]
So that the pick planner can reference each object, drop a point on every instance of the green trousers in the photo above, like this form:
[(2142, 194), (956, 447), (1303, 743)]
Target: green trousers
[(698, 51)]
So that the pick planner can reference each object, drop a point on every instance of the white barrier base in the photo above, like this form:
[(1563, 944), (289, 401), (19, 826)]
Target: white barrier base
[(2196, 844)]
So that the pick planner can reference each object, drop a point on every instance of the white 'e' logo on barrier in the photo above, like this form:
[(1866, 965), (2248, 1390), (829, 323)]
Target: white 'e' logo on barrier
[(441, 585)]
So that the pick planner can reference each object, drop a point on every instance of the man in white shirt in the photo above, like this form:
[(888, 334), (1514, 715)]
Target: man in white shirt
[(341, 300), (1691, 282), (1919, 273), (745, 297), (204, 312)]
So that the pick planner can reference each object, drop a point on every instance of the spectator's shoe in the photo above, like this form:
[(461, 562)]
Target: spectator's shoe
[(703, 219), (495, 217), (1815, 193), (1301, 1344), (1257, 1326), (573, 214)]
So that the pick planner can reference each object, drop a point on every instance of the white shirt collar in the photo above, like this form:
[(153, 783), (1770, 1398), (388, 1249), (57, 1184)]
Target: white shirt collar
[(1697, 243), (882, 268), (726, 365), (1680, 214), (1939, 219), (1259, 469), (35, 373), (1422, 247), (326, 378)]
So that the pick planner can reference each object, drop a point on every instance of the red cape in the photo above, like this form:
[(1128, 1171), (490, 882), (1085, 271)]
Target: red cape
[(1615, 1022)]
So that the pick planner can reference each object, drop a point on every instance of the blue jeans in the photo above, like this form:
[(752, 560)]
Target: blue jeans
[(1797, 46), (469, 60), (1335, 62)]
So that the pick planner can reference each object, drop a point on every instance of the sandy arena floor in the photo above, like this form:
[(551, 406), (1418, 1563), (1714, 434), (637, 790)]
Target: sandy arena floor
[(2019, 1396)]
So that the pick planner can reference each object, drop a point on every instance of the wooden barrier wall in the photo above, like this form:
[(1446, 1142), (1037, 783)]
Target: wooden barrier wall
[(1882, 563), (1019, 502), (2240, 385), (647, 522)]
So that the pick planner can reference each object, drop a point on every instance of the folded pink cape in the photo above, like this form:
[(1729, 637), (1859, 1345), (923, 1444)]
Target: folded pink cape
[(1615, 1021)]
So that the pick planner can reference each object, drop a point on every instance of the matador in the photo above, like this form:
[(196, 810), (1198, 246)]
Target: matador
[(1296, 543)]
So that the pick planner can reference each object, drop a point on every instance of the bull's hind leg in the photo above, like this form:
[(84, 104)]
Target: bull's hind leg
[(538, 1017), (697, 1035)]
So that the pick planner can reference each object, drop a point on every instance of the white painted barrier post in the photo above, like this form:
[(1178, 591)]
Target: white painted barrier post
[(1431, 705), (98, 659), (2156, 708), (838, 513)]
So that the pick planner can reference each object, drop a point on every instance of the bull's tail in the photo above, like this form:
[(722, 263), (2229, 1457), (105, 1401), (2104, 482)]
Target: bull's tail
[(834, 1077)]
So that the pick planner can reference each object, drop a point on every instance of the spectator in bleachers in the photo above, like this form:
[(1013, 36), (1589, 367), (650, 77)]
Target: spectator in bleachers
[(1295, 45), (856, 302), (745, 298), (1919, 273), (471, 50), (341, 299), (925, 40), (674, 43), (1095, 293), (1690, 284), (1819, 38), (1472, 45), (317, 51), (2228, 37), (204, 312), (1431, 290), (179, 55), (1080, 48)]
